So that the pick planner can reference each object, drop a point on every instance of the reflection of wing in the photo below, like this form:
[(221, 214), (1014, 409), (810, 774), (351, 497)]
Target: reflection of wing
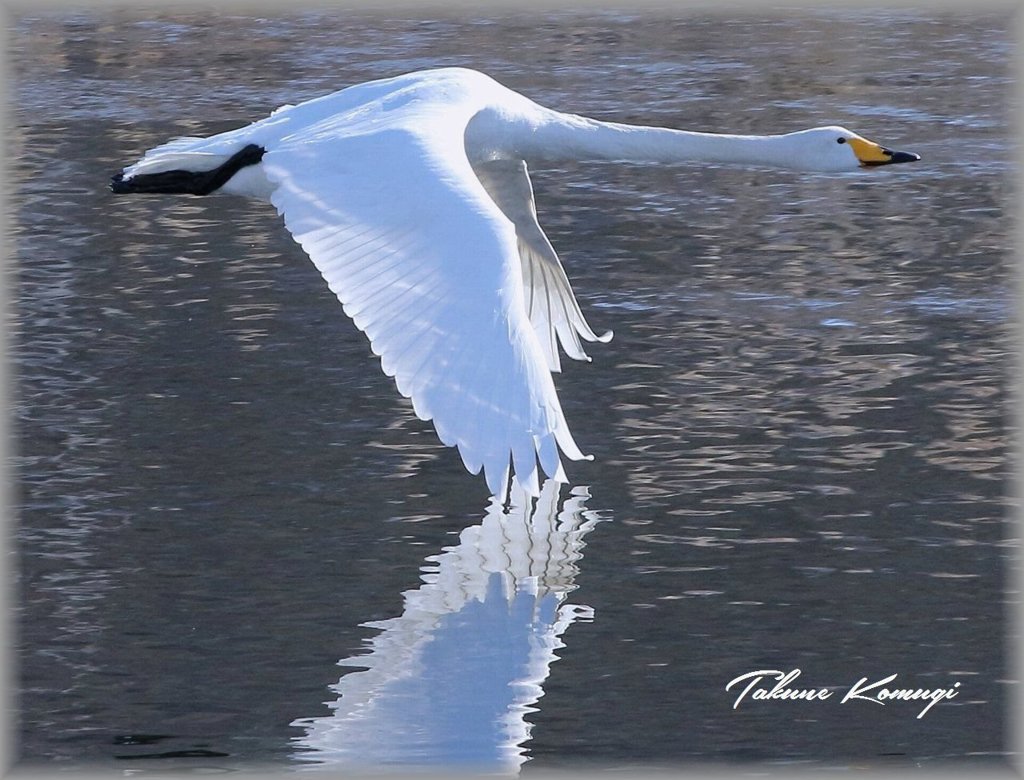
[(550, 303), (427, 266), (451, 680)]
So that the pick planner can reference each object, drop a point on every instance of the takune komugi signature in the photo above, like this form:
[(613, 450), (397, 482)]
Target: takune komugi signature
[(862, 690)]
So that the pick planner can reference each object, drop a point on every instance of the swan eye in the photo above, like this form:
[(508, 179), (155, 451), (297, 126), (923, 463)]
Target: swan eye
[(840, 140)]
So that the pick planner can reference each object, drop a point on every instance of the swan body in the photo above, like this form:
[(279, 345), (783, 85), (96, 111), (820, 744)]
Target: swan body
[(412, 197)]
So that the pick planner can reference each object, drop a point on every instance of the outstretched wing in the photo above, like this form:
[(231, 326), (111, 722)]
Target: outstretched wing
[(427, 266), (550, 303)]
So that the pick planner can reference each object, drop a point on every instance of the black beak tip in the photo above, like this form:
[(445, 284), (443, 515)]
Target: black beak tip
[(903, 157)]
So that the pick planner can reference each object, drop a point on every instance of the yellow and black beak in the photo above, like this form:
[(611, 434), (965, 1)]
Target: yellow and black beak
[(871, 154)]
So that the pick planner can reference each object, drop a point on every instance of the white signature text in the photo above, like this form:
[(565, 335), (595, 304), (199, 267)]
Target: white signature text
[(752, 685)]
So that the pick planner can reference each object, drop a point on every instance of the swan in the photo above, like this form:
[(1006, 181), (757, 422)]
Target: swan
[(412, 197)]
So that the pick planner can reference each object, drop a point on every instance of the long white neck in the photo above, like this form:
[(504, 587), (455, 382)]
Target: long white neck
[(566, 136)]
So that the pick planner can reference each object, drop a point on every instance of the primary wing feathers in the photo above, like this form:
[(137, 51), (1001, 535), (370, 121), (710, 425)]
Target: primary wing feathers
[(550, 302), (428, 267)]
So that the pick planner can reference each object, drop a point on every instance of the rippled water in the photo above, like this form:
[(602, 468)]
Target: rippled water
[(800, 428)]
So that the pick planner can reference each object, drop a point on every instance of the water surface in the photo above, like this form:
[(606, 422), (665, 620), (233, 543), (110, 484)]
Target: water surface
[(799, 430)]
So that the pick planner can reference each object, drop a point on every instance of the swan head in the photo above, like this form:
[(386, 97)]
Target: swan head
[(835, 148)]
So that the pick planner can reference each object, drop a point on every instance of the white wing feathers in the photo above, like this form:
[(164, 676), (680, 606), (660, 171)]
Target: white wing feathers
[(428, 267), (550, 303)]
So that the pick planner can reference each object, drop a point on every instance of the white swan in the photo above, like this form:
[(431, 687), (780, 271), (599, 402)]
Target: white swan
[(411, 196)]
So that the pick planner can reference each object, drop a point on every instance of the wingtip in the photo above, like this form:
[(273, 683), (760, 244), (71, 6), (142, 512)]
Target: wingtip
[(497, 479), (530, 487), (559, 475)]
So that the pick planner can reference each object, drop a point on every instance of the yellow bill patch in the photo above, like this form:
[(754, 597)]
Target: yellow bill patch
[(868, 152)]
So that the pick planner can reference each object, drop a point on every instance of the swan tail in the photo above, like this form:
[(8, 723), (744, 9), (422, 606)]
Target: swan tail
[(181, 168)]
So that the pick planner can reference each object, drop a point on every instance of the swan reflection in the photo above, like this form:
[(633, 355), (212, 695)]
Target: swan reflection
[(450, 681)]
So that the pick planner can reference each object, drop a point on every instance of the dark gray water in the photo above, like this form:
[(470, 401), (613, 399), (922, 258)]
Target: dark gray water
[(800, 428)]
